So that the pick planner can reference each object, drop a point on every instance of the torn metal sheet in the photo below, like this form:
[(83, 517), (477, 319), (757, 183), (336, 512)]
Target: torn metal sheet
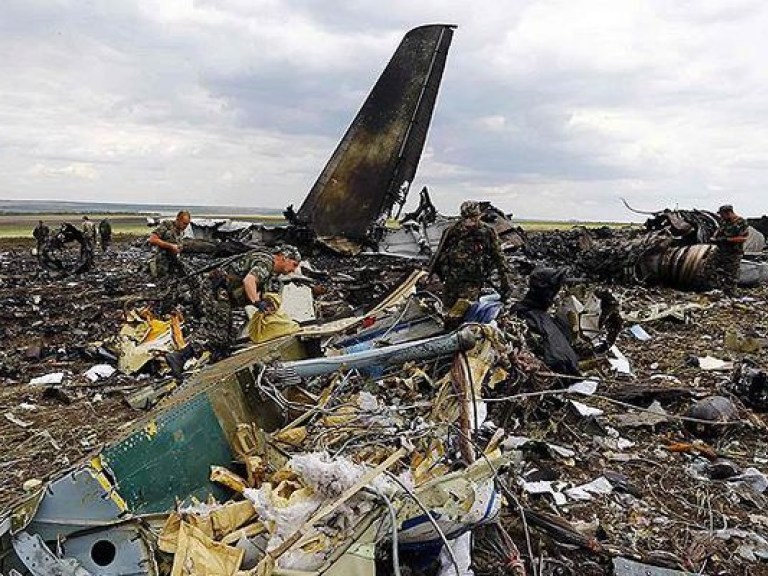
[(752, 273), (39, 559), (653, 415), (414, 239), (74, 502), (48, 379), (599, 486)]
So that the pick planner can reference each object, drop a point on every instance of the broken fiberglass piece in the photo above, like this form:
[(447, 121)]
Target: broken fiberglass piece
[(712, 363), (99, 372), (619, 362), (585, 387), (639, 333), (600, 486), (586, 411), (47, 379)]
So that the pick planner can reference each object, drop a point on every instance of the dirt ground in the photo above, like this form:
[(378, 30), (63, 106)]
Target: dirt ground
[(53, 325), (672, 511)]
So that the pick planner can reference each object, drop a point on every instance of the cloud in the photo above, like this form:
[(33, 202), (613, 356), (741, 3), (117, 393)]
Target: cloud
[(549, 108)]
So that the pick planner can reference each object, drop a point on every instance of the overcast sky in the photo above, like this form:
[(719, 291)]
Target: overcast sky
[(550, 109)]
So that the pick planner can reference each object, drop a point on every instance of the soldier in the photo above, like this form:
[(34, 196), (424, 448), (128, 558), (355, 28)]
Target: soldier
[(41, 234), (88, 247), (166, 239), (247, 280), (729, 238), (254, 274), (468, 254), (88, 229), (210, 323), (105, 233)]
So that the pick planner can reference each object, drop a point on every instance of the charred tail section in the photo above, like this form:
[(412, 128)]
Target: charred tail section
[(375, 162)]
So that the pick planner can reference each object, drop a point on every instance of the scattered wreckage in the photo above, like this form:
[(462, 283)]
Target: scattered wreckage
[(57, 255), (373, 439), (254, 427), (678, 250)]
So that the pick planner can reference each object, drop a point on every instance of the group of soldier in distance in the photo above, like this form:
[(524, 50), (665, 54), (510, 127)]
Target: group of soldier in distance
[(468, 260), (89, 236)]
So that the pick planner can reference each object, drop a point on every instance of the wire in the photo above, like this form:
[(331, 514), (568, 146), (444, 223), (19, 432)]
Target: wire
[(505, 488), (431, 518), (393, 521)]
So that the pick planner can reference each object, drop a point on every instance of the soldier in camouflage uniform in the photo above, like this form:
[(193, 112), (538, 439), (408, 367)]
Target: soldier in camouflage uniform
[(210, 322), (88, 246), (105, 234), (468, 254), (166, 239), (257, 274), (242, 282), (41, 234), (729, 238)]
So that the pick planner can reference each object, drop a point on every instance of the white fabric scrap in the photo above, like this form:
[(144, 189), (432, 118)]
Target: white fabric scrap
[(585, 387), (712, 363), (331, 477), (99, 371), (585, 491), (328, 478), (52, 378), (584, 410)]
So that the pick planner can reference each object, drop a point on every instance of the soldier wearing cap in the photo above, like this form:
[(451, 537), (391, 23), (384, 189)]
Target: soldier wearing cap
[(729, 238), (468, 254), (243, 282), (254, 274), (166, 240)]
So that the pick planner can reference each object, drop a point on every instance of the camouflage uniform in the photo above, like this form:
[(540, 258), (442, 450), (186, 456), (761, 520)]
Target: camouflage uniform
[(105, 232), (89, 243), (164, 263), (89, 231), (467, 256), (41, 234), (729, 254), (211, 320), (261, 265)]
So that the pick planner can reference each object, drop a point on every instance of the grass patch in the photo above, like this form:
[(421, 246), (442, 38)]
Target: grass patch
[(549, 225), (22, 225)]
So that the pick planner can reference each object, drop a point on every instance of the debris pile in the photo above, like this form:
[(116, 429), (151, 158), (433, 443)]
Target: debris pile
[(584, 429)]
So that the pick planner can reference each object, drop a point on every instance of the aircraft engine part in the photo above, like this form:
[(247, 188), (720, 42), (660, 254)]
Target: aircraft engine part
[(690, 267)]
